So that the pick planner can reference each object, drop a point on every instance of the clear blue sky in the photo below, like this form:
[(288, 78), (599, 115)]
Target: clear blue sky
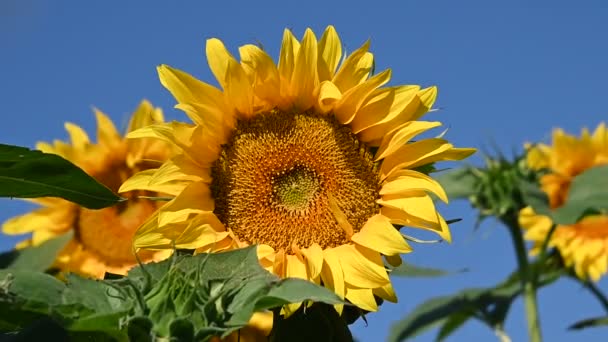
[(507, 73)]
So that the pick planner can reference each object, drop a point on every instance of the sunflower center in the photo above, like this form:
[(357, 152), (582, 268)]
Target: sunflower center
[(296, 189), (276, 176), (109, 232)]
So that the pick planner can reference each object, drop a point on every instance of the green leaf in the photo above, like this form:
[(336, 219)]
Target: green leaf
[(87, 309), (589, 323), (26, 173), (452, 324), (458, 183), (588, 192), (39, 258), (217, 293), (490, 305), (185, 297), (293, 290), (438, 310), (39, 289), (409, 270)]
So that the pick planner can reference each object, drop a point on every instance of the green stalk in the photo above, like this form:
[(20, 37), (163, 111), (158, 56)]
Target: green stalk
[(528, 282)]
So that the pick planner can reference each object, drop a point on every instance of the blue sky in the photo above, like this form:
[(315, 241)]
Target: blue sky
[(506, 73)]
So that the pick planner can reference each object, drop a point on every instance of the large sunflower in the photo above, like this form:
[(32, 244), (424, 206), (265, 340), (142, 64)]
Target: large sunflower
[(102, 239), (311, 159), (583, 245)]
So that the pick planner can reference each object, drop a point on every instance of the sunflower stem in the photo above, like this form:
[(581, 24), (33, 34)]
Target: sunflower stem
[(528, 279), (501, 334)]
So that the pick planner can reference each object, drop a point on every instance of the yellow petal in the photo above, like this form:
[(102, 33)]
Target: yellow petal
[(287, 61), (200, 230), (406, 180), (332, 274), (412, 154), (194, 199), (138, 149), (427, 100), (314, 260), (537, 157), (187, 89), (384, 105), (106, 131), (145, 115), (386, 292), (363, 298), (141, 181), (265, 252), (401, 135), (280, 264), (355, 69), (218, 58), (418, 212), (180, 169), (56, 218), (407, 108), (45, 147), (305, 78), (352, 100), (362, 267), (238, 89), (257, 62), (330, 52), (450, 154), (218, 124), (381, 236), (536, 226), (166, 132), (600, 143), (329, 95), (416, 204), (78, 136), (202, 150), (295, 269)]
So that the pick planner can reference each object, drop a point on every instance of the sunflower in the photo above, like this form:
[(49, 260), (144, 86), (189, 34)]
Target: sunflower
[(584, 245), (102, 239), (312, 160)]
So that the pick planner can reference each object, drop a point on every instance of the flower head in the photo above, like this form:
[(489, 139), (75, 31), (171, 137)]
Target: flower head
[(584, 245), (311, 159), (102, 239)]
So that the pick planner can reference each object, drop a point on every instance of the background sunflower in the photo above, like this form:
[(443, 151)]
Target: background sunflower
[(102, 239), (584, 245)]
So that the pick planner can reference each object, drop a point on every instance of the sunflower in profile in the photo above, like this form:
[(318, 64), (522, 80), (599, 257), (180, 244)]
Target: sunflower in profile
[(312, 159), (584, 245), (102, 239)]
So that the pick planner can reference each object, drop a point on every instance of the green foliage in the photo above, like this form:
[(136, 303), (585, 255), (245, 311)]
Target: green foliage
[(489, 305), (587, 194), (39, 258), (26, 173), (458, 183), (493, 189), (590, 323), (185, 298)]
